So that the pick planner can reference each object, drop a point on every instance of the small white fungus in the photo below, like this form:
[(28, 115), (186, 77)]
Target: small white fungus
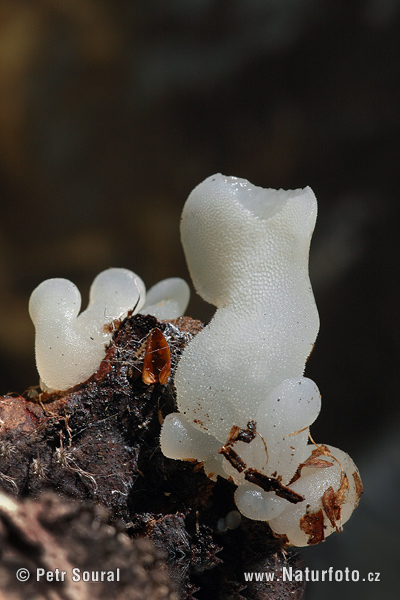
[(70, 346)]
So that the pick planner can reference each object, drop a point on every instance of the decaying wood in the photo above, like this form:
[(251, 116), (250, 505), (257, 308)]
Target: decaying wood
[(58, 536), (97, 445)]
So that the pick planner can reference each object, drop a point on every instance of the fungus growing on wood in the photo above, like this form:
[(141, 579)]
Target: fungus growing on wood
[(247, 252), (70, 346), (244, 405)]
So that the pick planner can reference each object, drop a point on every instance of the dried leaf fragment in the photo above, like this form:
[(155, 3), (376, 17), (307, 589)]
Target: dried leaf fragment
[(332, 502), (157, 359), (313, 462), (321, 450), (313, 525), (359, 487), (331, 505), (343, 489)]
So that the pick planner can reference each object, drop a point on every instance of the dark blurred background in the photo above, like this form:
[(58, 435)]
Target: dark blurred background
[(111, 112)]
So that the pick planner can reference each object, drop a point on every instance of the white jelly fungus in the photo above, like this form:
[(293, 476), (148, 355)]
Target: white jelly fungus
[(244, 406), (70, 346)]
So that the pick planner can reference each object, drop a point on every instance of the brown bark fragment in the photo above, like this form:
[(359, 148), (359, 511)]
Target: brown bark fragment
[(313, 525), (269, 484), (237, 434), (233, 457), (233, 435)]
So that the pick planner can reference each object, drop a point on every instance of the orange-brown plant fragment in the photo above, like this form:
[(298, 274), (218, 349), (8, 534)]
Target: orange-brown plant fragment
[(359, 487), (313, 525), (331, 506), (157, 359), (313, 462), (332, 502)]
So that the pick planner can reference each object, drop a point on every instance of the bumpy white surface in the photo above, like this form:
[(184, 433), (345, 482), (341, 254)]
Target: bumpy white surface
[(167, 299), (283, 422), (312, 485), (247, 252), (70, 346), (112, 293)]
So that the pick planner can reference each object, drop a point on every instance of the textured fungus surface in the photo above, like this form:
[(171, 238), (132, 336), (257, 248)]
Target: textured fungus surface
[(99, 443), (70, 345), (247, 251)]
